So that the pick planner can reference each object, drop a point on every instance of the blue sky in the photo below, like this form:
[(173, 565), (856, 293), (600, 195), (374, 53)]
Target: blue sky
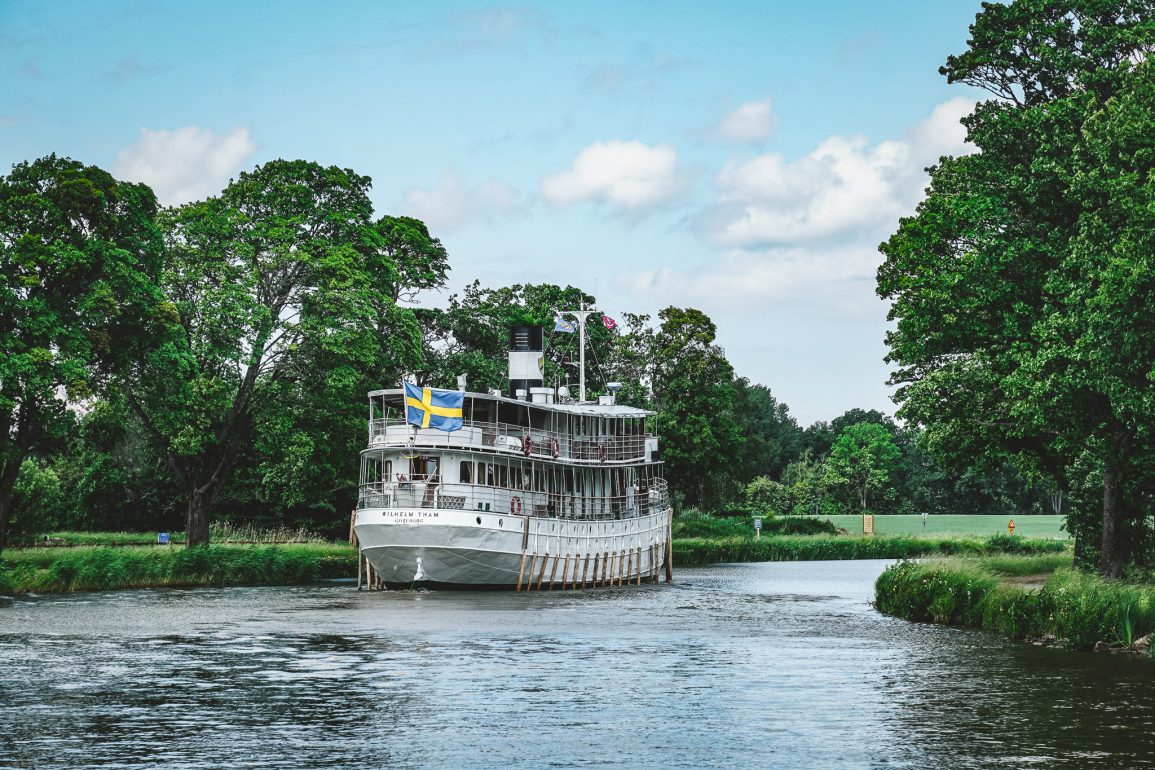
[(742, 158)]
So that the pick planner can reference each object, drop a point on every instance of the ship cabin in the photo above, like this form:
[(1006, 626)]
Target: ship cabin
[(540, 453)]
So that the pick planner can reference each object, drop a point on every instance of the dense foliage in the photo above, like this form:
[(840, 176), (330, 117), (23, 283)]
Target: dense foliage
[(1023, 286), (1076, 609)]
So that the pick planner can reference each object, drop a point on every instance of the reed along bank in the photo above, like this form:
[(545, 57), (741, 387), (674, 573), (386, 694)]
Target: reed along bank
[(1022, 599)]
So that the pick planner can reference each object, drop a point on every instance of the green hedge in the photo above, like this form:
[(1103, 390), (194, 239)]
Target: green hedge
[(1078, 608), (96, 569), (698, 550)]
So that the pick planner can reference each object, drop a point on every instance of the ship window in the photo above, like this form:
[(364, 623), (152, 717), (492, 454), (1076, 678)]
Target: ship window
[(466, 476), (490, 476)]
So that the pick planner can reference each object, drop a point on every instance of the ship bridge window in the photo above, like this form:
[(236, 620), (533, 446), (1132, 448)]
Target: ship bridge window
[(466, 476)]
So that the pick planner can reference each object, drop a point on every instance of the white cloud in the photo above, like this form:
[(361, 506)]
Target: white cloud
[(752, 122), (453, 203), (184, 164), (837, 278), (631, 176), (845, 188)]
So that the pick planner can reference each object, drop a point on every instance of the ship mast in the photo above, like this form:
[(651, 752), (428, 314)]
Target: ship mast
[(581, 316)]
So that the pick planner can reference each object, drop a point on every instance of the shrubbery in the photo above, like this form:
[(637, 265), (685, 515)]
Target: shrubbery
[(1079, 608), (699, 550), (96, 569)]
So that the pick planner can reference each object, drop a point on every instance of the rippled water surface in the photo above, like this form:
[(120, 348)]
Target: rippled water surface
[(754, 665)]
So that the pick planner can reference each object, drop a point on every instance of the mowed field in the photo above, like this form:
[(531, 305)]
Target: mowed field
[(980, 526)]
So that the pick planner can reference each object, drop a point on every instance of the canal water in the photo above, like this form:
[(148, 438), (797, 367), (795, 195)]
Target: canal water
[(745, 666)]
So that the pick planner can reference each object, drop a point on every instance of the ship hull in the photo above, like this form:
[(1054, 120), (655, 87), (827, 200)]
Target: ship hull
[(475, 549)]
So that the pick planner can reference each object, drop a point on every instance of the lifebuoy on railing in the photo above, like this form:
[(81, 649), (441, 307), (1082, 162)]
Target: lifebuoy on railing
[(526, 445), (555, 448), (602, 453), (515, 505)]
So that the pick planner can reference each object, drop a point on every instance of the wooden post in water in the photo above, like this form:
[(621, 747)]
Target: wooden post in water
[(630, 568), (670, 549), (524, 546), (585, 570), (529, 572), (544, 564), (553, 572)]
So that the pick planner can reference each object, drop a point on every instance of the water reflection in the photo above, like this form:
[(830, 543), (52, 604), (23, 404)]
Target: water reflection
[(768, 665)]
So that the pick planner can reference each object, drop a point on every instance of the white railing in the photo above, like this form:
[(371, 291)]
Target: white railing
[(512, 439), (425, 493)]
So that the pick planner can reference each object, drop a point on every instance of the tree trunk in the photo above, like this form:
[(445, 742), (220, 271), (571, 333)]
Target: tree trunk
[(196, 520), (5, 511), (1113, 552)]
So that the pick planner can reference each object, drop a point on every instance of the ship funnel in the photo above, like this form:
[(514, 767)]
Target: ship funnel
[(526, 358)]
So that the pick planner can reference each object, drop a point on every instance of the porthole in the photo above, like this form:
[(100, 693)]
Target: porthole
[(499, 522), (478, 519)]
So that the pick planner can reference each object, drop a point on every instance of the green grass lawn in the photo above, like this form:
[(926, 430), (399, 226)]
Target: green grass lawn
[(979, 526)]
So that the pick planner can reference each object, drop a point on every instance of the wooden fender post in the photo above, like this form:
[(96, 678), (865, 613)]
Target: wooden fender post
[(670, 547), (524, 546), (541, 576)]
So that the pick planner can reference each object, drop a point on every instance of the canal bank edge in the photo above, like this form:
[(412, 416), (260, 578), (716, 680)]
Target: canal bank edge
[(67, 569), (1068, 608)]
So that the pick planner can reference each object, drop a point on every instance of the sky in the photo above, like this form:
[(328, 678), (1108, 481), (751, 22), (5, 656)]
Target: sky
[(742, 158)]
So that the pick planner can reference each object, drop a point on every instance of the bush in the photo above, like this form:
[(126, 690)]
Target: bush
[(1079, 608), (95, 569)]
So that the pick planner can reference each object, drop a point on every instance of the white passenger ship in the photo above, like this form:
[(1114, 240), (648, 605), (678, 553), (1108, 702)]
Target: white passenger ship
[(535, 490)]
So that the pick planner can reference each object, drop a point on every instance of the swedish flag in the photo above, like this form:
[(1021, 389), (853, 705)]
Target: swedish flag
[(433, 408)]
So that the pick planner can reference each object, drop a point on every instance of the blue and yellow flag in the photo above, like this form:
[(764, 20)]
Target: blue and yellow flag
[(433, 408)]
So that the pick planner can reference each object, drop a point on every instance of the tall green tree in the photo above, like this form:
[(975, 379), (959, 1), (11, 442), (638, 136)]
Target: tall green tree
[(693, 387), (79, 258), (862, 460), (992, 340), (265, 279), (772, 437)]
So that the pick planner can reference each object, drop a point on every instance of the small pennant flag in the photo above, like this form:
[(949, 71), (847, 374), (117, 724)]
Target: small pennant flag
[(562, 325), (610, 323)]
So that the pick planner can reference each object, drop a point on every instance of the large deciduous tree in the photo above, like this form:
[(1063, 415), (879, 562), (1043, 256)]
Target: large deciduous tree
[(862, 459), (1011, 293), (693, 387), (79, 257), (268, 281)]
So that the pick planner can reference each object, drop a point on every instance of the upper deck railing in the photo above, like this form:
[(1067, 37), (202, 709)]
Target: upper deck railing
[(429, 493), (513, 439)]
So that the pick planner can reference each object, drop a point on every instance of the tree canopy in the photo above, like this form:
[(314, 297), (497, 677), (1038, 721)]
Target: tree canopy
[(79, 256), (1011, 291)]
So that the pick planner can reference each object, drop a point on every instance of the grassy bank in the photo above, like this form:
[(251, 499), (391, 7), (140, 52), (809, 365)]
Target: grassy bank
[(97, 568), (1077, 609), (698, 550)]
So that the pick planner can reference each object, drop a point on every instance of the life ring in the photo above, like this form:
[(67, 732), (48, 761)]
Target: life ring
[(526, 445), (555, 448), (515, 505), (602, 453)]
